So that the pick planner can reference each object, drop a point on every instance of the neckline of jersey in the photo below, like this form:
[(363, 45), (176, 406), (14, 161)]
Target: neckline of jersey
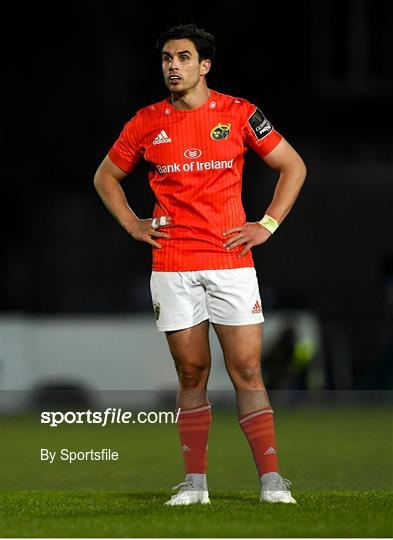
[(212, 97)]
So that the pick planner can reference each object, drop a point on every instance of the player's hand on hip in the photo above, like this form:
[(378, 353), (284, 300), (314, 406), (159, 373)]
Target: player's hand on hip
[(145, 230), (250, 234)]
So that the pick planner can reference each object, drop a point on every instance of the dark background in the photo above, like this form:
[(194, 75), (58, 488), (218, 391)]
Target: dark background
[(322, 73)]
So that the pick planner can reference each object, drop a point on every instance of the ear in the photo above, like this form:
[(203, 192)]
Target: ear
[(205, 66)]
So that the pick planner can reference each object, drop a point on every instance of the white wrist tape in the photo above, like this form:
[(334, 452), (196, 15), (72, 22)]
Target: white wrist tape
[(269, 223)]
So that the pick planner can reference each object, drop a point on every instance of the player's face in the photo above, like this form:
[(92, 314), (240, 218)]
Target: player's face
[(181, 66)]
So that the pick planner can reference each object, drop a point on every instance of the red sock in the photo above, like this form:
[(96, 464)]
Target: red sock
[(258, 427), (194, 425)]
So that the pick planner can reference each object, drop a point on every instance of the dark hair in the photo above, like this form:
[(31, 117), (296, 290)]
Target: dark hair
[(204, 42)]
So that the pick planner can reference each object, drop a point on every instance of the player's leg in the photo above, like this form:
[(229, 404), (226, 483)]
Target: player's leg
[(236, 312), (181, 312), (242, 347), (191, 352)]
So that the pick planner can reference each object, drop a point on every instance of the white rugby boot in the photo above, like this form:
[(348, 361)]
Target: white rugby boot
[(190, 492), (275, 489)]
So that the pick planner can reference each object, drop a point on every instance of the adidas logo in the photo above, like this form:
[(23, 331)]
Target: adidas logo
[(269, 451), (186, 448), (161, 138), (257, 308)]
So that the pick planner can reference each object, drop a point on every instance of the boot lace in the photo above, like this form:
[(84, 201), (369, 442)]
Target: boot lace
[(280, 484), (184, 486)]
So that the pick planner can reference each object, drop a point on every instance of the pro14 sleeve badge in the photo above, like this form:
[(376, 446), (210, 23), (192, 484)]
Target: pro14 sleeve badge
[(260, 126)]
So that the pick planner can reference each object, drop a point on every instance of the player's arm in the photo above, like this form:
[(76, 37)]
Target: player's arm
[(292, 169), (292, 174), (107, 182)]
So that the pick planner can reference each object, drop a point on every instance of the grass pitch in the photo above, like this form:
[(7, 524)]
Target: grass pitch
[(236, 514), (339, 460)]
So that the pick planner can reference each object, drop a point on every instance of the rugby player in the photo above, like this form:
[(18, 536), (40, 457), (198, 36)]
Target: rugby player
[(203, 272)]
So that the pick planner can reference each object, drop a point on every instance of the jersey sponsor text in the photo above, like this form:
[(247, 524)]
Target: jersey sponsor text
[(195, 166)]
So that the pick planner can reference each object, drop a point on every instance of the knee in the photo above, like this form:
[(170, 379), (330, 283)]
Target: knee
[(192, 375), (247, 375)]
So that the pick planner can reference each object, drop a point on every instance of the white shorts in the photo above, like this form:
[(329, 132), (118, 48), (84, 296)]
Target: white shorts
[(184, 299)]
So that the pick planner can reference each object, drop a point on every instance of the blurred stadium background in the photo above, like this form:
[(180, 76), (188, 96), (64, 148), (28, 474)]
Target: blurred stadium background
[(75, 300)]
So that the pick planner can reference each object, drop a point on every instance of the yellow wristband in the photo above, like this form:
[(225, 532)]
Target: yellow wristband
[(269, 223)]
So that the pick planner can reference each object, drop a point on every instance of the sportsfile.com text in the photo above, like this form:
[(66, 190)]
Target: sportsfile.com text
[(109, 416)]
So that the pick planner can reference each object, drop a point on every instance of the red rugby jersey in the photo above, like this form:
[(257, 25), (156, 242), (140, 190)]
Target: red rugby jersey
[(196, 161)]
